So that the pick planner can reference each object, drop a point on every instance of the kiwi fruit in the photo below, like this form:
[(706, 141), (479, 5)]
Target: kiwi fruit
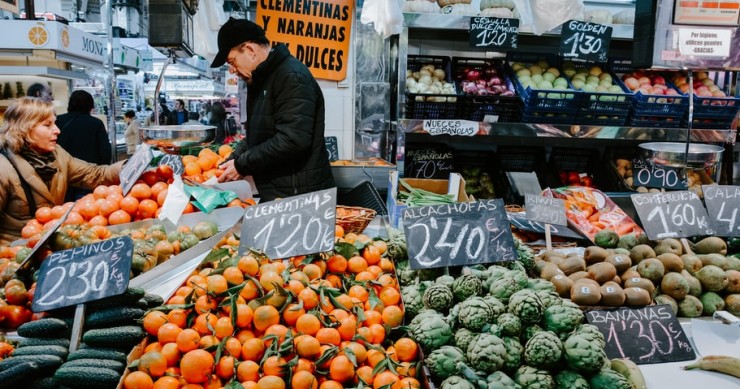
[(617, 280), (638, 282), (636, 297), (550, 270), (640, 252), (620, 261), (612, 294), (595, 254), (587, 281), (652, 269), (572, 264), (585, 294), (539, 264), (671, 262), (578, 275), (547, 255), (562, 285), (630, 273), (602, 272)]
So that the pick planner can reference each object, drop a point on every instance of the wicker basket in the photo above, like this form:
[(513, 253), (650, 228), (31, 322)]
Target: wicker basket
[(354, 219)]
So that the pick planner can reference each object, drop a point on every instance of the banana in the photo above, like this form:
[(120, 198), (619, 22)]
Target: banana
[(629, 370), (718, 363)]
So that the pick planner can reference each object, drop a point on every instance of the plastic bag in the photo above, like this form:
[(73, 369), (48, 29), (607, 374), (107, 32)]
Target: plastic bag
[(385, 15), (175, 202), (207, 199), (544, 15)]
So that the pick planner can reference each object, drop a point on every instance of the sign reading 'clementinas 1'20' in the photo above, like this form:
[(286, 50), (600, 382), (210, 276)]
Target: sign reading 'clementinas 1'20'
[(316, 32)]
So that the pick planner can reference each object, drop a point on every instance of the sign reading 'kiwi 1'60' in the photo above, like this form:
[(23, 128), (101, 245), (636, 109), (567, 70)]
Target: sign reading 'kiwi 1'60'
[(83, 274), (723, 207), (297, 225), (644, 335), (546, 210), (672, 214), (458, 234), (487, 32)]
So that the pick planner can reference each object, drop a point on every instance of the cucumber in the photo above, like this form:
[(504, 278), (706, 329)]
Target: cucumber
[(153, 300), (16, 375), (106, 363), (48, 327), (43, 342), (112, 317), (97, 353), (82, 377), (114, 337), (47, 363), (127, 298), (43, 383), (59, 351)]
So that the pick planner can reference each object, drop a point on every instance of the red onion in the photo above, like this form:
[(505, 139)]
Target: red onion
[(495, 80), (472, 75)]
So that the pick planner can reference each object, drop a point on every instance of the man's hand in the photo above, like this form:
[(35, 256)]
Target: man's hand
[(230, 173)]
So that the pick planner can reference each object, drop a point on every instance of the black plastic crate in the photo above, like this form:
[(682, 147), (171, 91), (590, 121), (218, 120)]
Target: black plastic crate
[(538, 117), (476, 107), (601, 119), (517, 159), (477, 168), (543, 100), (567, 160), (655, 121), (432, 106), (710, 122)]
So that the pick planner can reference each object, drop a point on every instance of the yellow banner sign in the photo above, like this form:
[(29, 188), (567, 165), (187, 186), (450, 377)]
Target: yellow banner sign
[(316, 32)]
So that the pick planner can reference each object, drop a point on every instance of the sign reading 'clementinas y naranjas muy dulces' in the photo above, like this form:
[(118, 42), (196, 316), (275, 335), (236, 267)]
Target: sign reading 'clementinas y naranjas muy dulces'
[(316, 32)]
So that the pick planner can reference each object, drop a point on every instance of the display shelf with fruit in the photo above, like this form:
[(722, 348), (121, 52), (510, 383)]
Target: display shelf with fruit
[(606, 101), (430, 90), (486, 89), (575, 167), (714, 107)]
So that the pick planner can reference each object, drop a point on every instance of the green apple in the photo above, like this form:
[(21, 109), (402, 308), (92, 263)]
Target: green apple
[(569, 72), (560, 81), (544, 84), (534, 69), (548, 76), (589, 88), (615, 89), (579, 76), (578, 84), (594, 80), (537, 78), (605, 76), (523, 72)]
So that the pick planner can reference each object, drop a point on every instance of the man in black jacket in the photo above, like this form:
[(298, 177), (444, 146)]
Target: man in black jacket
[(284, 150)]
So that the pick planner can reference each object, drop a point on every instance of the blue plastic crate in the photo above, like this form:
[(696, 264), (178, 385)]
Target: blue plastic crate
[(647, 104), (544, 100), (608, 102)]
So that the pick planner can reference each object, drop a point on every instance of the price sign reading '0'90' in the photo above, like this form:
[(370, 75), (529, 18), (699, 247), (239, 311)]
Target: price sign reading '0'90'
[(173, 161), (585, 41), (672, 214), (723, 204), (291, 226), (83, 274), (428, 163), (546, 210), (487, 32), (458, 234), (644, 335), (651, 176)]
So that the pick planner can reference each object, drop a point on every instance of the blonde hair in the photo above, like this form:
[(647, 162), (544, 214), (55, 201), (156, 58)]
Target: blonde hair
[(20, 117)]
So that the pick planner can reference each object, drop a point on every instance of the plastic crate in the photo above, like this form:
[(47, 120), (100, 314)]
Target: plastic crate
[(543, 100), (711, 122), (473, 166), (649, 104), (605, 102), (424, 106), (476, 108), (523, 159), (655, 121), (714, 106), (601, 119), (535, 116)]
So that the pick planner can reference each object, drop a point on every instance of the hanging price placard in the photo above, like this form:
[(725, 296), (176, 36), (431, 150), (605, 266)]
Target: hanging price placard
[(585, 41), (672, 214), (651, 176), (490, 32), (723, 206)]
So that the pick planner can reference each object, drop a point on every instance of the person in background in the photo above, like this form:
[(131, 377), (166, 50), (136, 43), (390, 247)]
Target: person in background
[(284, 149), (35, 171), (164, 113), (132, 132), (149, 115), (193, 119), (218, 120), (83, 135), (180, 114), (41, 91)]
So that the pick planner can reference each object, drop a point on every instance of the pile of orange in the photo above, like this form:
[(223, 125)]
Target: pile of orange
[(317, 322), (205, 165)]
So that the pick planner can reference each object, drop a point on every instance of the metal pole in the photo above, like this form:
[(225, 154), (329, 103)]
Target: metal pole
[(110, 85), (30, 9), (170, 58)]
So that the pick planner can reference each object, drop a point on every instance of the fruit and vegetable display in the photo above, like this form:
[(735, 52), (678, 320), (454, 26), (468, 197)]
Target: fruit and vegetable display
[(541, 75), (482, 79), (592, 79), (478, 183), (430, 79), (694, 178)]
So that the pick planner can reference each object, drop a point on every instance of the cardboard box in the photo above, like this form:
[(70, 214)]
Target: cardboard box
[(455, 186)]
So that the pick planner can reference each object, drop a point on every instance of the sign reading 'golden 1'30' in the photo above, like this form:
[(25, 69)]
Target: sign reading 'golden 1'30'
[(316, 32)]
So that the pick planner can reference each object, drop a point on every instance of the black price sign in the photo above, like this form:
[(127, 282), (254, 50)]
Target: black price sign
[(135, 166), (83, 274), (644, 335), (291, 226), (533, 226), (672, 214), (547, 210), (585, 41), (458, 234), (428, 163), (173, 161), (332, 147), (723, 203), (500, 33), (651, 176), (26, 264)]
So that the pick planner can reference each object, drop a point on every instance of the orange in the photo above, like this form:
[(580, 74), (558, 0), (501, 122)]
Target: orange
[(347, 328), (141, 191), (153, 363), (168, 332), (359, 351), (336, 264), (196, 366), (248, 265), (331, 384), (385, 378), (309, 297), (171, 353), (371, 254), (338, 231), (291, 314), (178, 317), (203, 321), (166, 382), (372, 317), (233, 347), (225, 367), (192, 168), (308, 347), (359, 292), (208, 341), (244, 315), (233, 275), (224, 151), (308, 324), (390, 296), (341, 369), (274, 365), (248, 371), (365, 374), (356, 264), (217, 284), (138, 380), (270, 382), (223, 327), (304, 380), (378, 332), (407, 383), (253, 349), (265, 316), (329, 336), (406, 350), (392, 316), (278, 330), (153, 320), (304, 364)]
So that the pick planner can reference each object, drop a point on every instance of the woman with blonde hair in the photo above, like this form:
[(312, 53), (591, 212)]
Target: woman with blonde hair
[(34, 171)]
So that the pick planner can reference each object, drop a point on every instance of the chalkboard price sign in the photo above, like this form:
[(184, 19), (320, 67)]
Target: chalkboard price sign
[(672, 214), (173, 161), (135, 166), (26, 264), (332, 147), (458, 234), (547, 210), (533, 226), (651, 176), (723, 204), (291, 226), (428, 163), (644, 335), (83, 274), (585, 41), (487, 32)]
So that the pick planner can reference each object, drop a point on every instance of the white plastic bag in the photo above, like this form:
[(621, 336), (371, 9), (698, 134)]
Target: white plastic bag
[(544, 15), (385, 15), (175, 202)]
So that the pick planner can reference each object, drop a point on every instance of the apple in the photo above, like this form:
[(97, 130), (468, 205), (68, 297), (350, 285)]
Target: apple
[(535, 69)]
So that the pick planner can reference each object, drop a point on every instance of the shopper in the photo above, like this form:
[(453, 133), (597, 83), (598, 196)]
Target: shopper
[(193, 119), (180, 114), (164, 113), (133, 138), (83, 135), (42, 91), (284, 149), (34, 170), (218, 120)]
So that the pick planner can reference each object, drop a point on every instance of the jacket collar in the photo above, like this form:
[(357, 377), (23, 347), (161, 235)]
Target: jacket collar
[(34, 181), (277, 55)]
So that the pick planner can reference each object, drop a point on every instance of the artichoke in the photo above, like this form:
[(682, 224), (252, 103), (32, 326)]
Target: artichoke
[(526, 305), (514, 352), (445, 280), (486, 353), (538, 284), (397, 249), (412, 296), (520, 276), (499, 380), (442, 362), (584, 355), (474, 313), (405, 275), (510, 324), (503, 288), (530, 378), (562, 318), (467, 285), (423, 315), (548, 298), (543, 350), (592, 333), (438, 297), (432, 333), (456, 382), (525, 255), (429, 274), (609, 379), (463, 337), (568, 379), (529, 331), (496, 305)]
